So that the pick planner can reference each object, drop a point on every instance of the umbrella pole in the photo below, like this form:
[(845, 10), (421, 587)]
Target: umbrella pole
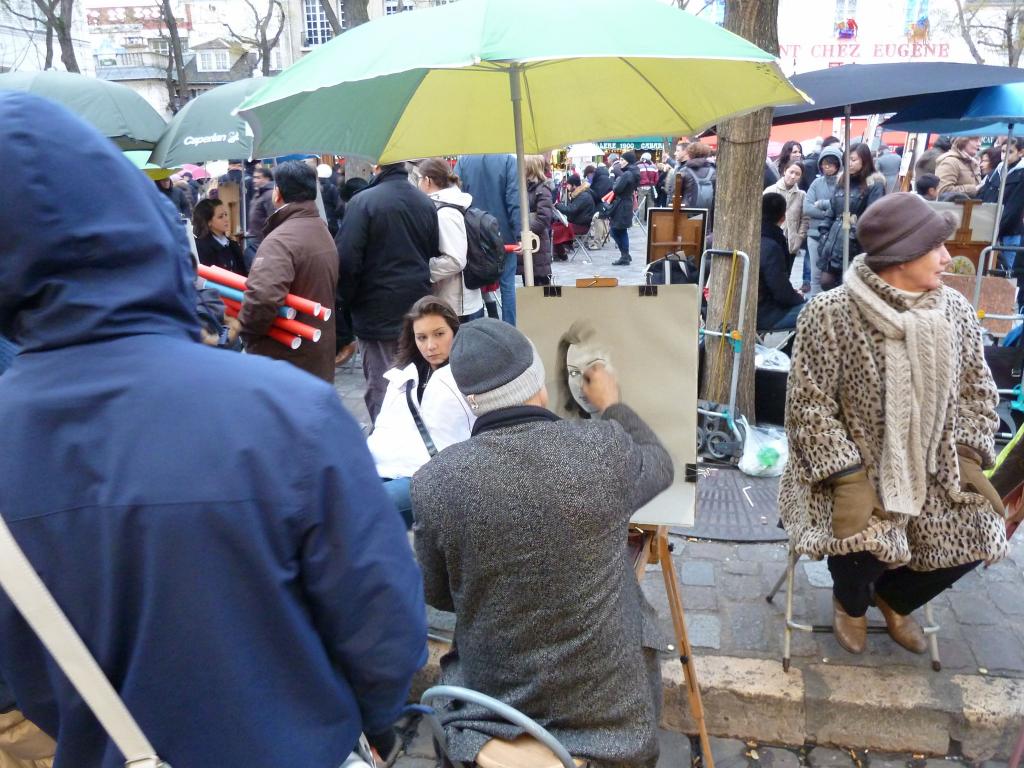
[(999, 202), (846, 188), (524, 200)]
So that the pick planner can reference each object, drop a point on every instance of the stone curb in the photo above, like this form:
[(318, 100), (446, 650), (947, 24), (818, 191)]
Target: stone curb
[(887, 710)]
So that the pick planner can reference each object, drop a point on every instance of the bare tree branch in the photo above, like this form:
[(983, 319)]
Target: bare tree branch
[(965, 32), (263, 43)]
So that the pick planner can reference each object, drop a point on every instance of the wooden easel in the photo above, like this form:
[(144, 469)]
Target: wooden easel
[(654, 550)]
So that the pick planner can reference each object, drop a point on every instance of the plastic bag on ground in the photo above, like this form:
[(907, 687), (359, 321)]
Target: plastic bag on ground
[(765, 452)]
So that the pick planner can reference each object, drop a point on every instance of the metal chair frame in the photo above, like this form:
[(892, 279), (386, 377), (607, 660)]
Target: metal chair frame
[(500, 709), (930, 629)]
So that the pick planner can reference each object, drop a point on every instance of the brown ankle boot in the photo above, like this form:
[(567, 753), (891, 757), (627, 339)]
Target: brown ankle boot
[(903, 629), (851, 632)]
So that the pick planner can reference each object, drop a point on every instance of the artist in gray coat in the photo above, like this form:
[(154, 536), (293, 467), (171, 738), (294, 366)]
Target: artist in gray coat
[(521, 531)]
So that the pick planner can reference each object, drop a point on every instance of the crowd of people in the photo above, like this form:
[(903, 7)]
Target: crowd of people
[(223, 526), (218, 523)]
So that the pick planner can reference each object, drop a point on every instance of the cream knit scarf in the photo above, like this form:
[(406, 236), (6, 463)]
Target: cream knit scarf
[(918, 380)]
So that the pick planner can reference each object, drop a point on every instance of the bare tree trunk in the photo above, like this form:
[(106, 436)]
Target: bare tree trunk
[(48, 62), (742, 149), (332, 17), (356, 12), (60, 25), (965, 32), (177, 55), (1012, 36)]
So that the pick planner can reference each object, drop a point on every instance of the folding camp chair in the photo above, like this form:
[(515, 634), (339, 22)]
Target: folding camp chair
[(930, 628), (536, 748)]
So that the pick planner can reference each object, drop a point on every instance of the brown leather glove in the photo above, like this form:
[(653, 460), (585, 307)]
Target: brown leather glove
[(972, 478), (853, 500)]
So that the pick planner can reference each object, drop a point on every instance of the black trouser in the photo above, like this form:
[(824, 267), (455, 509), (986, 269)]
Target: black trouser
[(857, 575)]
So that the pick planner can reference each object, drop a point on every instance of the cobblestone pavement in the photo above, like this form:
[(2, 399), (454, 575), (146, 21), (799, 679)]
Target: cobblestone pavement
[(734, 753), (724, 587)]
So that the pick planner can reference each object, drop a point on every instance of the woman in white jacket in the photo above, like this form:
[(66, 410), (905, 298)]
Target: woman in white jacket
[(442, 186), (420, 384)]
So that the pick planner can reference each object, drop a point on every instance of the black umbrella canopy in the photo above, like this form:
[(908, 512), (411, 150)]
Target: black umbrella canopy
[(876, 88)]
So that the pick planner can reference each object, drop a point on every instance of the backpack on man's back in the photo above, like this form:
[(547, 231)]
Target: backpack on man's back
[(485, 247), (704, 186)]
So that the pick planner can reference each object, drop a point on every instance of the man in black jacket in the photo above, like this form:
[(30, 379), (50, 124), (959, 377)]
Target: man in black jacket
[(778, 302), (385, 243), (627, 181)]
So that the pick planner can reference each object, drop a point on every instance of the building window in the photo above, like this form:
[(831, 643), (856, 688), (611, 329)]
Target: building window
[(391, 6), (317, 28), (132, 42), (163, 47), (213, 61)]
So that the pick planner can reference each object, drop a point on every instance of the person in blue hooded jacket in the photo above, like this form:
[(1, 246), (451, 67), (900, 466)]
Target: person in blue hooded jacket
[(211, 524)]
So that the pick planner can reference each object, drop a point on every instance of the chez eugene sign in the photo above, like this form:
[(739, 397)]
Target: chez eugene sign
[(862, 52)]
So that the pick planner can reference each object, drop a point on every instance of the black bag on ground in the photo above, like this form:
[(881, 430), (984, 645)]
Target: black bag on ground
[(485, 248), (681, 272)]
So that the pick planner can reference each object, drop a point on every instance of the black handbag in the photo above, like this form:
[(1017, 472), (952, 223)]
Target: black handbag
[(830, 252)]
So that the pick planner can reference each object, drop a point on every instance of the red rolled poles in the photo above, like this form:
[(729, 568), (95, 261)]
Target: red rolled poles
[(232, 280), (307, 332), (277, 334)]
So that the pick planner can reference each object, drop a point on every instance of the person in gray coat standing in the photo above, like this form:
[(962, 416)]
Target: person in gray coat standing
[(521, 531)]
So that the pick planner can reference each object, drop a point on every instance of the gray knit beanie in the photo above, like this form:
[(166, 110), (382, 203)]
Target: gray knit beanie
[(900, 228), (494, 365)]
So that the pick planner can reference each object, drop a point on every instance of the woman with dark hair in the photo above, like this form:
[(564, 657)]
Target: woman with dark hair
[(990, 159), (436, 180), (420, 387), (542, 213), (210, 223), (792, 152), (866, 187)]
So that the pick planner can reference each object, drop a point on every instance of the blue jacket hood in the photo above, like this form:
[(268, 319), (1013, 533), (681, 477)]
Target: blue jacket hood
[(89, 253), (834, 152)]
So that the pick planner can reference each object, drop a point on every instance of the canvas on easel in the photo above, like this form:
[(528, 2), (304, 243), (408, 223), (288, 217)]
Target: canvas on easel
[(648, 335)]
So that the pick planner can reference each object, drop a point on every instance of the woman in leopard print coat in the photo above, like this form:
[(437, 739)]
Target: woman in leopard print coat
[(890, 410)]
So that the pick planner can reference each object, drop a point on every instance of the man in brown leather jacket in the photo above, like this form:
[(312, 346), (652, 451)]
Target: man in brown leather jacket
[(297, 256)]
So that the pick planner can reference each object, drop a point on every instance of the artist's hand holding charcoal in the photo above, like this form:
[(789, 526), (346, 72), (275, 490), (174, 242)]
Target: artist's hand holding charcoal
[(854, 499), (600, 386)]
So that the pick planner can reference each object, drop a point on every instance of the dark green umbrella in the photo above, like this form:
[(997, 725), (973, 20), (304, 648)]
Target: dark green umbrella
[(115, 110), (206, 130)]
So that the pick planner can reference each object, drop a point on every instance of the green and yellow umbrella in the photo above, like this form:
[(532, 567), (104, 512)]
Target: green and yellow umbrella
[(482, 76)]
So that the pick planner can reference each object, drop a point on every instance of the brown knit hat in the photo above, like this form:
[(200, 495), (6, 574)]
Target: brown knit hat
[(900, 228)]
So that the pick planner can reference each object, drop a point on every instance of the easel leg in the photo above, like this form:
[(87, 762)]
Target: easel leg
[(675, 604)]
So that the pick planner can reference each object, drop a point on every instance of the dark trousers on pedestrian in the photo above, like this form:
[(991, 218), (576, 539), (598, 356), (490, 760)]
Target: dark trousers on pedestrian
[(858, 576), (621, 238), (378, 357)]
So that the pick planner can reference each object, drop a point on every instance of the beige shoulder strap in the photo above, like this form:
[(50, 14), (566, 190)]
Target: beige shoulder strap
[(31, 597)]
